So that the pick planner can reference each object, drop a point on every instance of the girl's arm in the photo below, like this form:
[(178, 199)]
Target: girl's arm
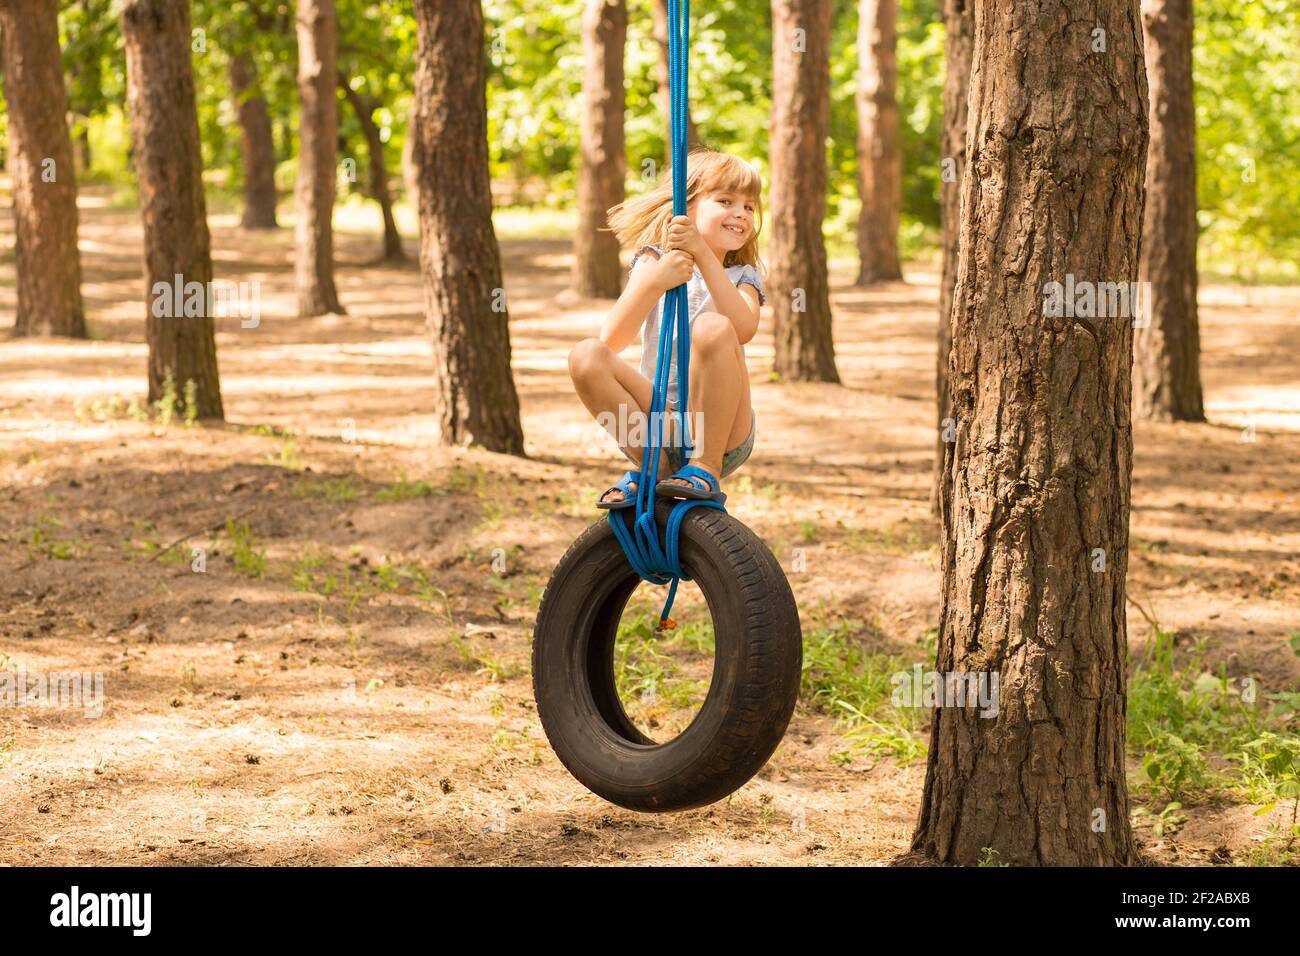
[(738, 303), (632, 308)]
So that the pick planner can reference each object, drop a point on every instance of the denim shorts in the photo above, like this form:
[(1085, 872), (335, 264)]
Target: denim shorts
[(730, 461)]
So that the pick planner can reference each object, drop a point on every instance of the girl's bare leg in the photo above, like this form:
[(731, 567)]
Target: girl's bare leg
[(610, 386), (719, 392)]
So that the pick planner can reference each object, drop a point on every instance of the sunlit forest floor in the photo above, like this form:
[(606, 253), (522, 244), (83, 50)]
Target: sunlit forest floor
[(348, 680)]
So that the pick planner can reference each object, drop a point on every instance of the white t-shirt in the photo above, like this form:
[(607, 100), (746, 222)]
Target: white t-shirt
[(698, 300)]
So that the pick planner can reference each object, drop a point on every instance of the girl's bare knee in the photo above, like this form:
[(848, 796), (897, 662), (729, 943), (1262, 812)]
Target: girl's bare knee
[(587, 359)]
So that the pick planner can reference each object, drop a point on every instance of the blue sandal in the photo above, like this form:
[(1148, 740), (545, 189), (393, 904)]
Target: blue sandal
[(623, 485), (702, 486)]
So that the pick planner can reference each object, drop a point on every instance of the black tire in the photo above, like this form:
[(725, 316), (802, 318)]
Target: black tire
[(756, 672)]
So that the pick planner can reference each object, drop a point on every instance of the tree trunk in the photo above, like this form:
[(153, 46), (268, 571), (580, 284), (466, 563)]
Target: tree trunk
[(410, 175), (597, 270), (474, 396), (959, 28), (169, 168), (1036, 509), (800, 288), (363, 107), (661, 79), (256, 143), (318, 133), (1167, 353), (44, 177), (81, 146), (880, 152)]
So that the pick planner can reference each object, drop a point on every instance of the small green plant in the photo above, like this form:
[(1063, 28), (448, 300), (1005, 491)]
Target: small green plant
[(989, 857), (1270, 765), (1165, 823), (43, 541), (492, 667), (191, 401), (1174, 767), (165, 406), (287, 457), (248, 558)]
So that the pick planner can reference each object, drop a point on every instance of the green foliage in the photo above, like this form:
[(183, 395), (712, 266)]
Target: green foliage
[(1246, 73), (841, 677), (1180, 717), (1247, 78), (654, 688), (403, 488)]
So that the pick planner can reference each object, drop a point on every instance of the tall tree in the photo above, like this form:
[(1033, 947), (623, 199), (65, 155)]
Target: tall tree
[(363, 106), (475, 399), (800, 287), (44, 178), (597, 270), (661, 80), (880, 150), (1167, 352), (1035, 512), (257, 145), (169, 168), (318, 130), (959, 41)]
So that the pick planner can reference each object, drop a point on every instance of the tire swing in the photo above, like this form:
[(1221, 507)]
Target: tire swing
[(759, 646)]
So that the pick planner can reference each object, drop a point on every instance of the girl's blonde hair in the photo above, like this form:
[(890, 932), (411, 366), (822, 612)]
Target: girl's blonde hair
[(643, 220)]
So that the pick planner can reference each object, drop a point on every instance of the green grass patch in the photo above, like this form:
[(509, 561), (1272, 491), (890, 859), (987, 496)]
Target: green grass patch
[(1198, 733)]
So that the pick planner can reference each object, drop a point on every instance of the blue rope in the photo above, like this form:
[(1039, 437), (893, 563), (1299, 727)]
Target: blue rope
[(660, 564)]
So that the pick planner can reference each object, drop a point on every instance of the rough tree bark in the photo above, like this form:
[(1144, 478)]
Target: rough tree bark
[(169, 168), (880, 151), (959, 29), (661, 80), (597, 270), (1035, 511), (1167, 353), (475, 399), (255, 141), (44, 177), (318, 131), (363, 107), (800, 287)]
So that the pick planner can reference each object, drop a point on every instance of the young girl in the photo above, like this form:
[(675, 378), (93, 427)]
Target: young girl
[(714, 250)]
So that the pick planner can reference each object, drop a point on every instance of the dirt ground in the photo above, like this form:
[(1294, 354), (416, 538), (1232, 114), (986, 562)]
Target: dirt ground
[(366, 699)]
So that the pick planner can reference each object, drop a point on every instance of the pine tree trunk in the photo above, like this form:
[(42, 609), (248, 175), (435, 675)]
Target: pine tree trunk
[(475, 399), (255, 141), (660, 9), (318, 131), (363, 107), (410, 175), (880, 151), (44, 177), (597, 270), (81, 146), (959, 29), (800, 288), (169, 168), (1035, 518), (1167, 353)]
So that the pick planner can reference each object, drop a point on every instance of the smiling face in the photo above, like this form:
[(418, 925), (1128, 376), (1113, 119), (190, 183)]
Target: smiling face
[(725, 220)]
